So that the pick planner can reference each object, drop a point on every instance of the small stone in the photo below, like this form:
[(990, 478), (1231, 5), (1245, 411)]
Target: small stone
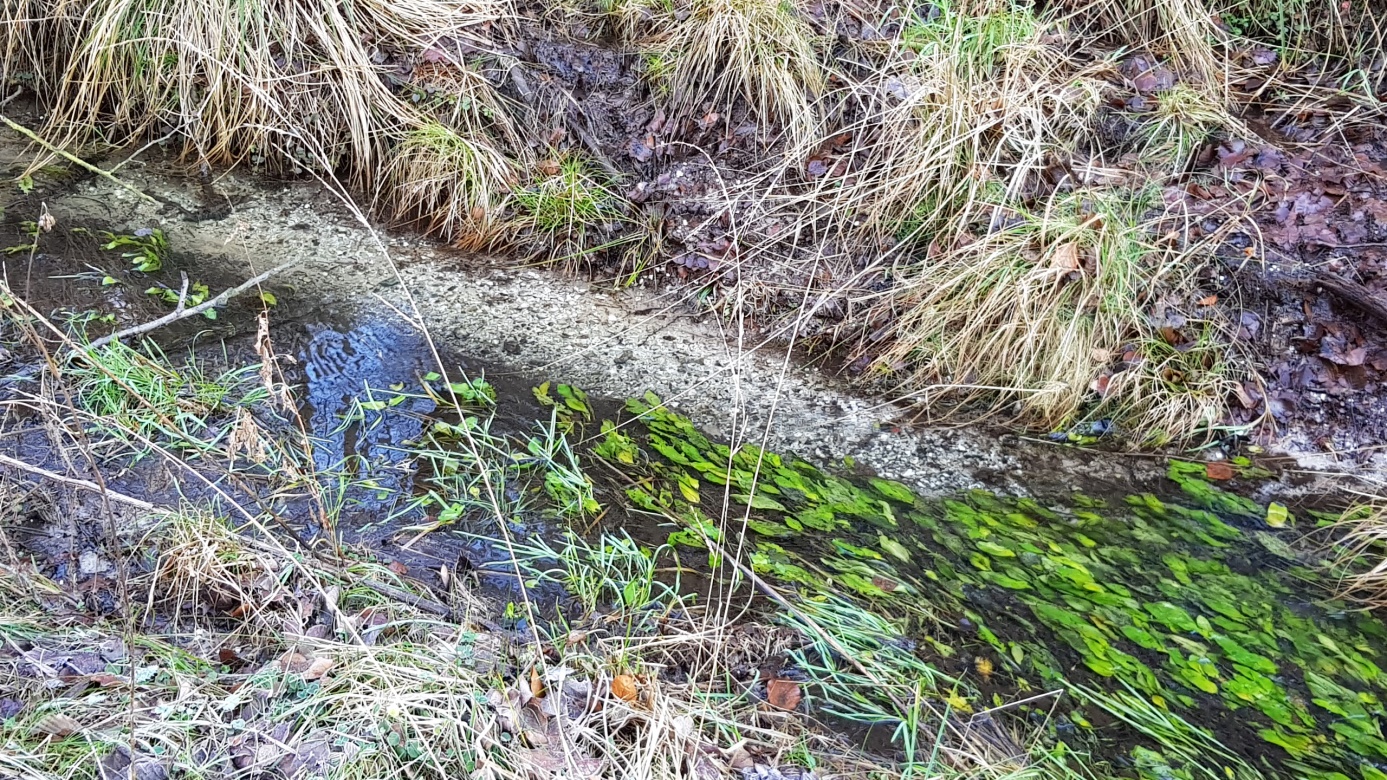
[(89, 563)]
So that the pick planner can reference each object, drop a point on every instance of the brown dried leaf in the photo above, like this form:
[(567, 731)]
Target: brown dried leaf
[(624, 687), (1218, 470), (536, 683), (783, 694), (318, 668), (295, 663), (1066, 257), (107, 680), (58, 725)]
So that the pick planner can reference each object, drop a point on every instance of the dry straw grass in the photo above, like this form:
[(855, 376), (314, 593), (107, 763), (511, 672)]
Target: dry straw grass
[(1362, 555), (390, 691), (288, 85), (760, 52)]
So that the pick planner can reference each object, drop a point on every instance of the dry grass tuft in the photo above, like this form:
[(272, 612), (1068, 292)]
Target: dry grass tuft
[(1362, 555), (450, 185), (1031, 315), (759, 51), (287, 85), (1020, 281), (964, 105)]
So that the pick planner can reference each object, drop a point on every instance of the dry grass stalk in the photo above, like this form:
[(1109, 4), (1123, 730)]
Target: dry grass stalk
[(1362, 555), (759, 51)]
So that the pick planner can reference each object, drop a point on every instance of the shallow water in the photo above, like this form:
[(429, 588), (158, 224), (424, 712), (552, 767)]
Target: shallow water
[(1175, 596)]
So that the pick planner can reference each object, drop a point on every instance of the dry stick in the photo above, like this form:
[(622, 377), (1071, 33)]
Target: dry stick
[(1354, 293), (181, 313), (75, 160), (120, 498)]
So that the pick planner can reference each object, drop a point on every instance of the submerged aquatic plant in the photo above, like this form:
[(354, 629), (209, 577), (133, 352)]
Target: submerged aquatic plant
[(1148, 606)]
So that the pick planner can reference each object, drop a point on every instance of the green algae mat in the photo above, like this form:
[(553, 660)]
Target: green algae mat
[(1182, 637)]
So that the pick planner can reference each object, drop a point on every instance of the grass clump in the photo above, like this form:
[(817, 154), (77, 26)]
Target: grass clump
[(966, 105), (759, 51), (451, 185), (1035, 313), (570, 202), (281, 85), (1361, 558), (1183, 121), (139, 397)]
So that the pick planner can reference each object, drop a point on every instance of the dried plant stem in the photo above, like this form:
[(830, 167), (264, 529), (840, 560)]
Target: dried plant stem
[(180, 312), (74, 159), (119, 498)]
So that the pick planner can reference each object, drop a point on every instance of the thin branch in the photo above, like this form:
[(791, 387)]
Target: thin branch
[(119, 498), (74, 159), (180, 313)]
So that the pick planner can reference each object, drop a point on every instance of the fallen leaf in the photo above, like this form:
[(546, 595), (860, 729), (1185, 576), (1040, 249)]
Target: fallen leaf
[(317, 668), (1218, 470), (1066, 258), (624, 687), (58, 725), (1209, 301), (1277, 515), (783, 694), (536, 683), (295, 663)]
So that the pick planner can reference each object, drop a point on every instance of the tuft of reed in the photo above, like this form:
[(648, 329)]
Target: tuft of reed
[(1361, 555), (758, 51)]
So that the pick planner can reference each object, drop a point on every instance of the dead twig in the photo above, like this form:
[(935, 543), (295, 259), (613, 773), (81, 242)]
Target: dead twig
[(74, 159), (1355, 295), (120, 498), (180, 312)]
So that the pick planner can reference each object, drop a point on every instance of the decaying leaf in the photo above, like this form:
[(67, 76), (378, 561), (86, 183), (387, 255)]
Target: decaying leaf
[(317, 668), (58, 725), (1066, 257), (783, 694), (1218, 470), (624, 687), (294, 663)]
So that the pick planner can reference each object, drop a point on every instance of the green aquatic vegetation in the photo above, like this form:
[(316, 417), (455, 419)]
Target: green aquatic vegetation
[(616, 446), (146, 249), (1149, 603)]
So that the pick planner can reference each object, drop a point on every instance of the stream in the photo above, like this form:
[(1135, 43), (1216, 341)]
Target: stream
[(1133, 610)]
